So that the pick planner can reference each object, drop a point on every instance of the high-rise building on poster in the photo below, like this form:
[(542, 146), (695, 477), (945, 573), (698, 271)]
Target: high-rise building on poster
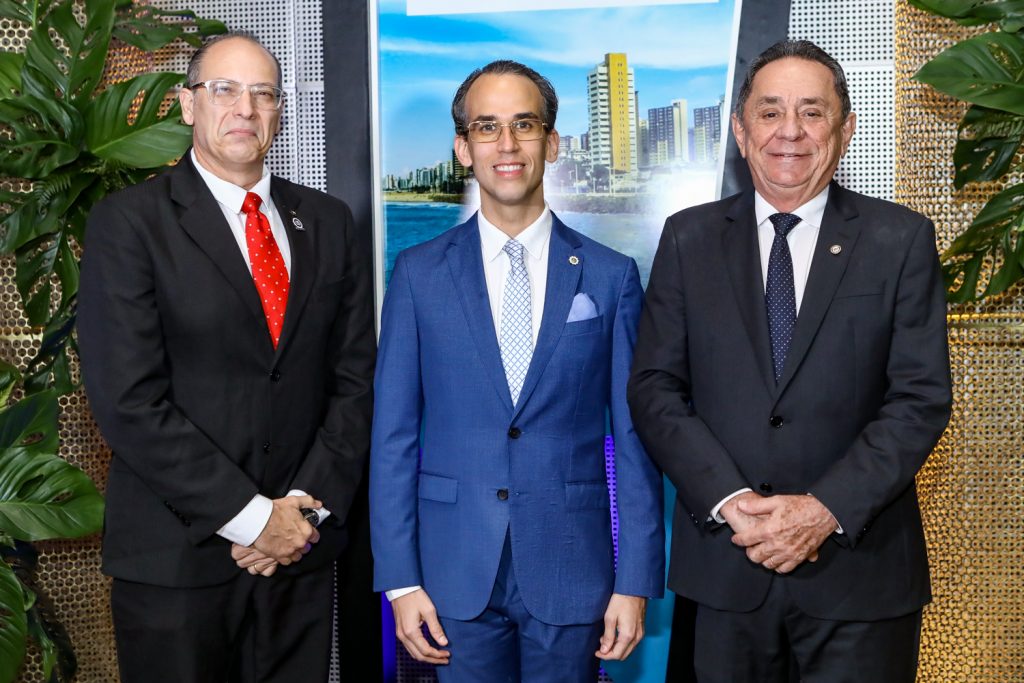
[(707, 132), (667, 136), (611, 105)]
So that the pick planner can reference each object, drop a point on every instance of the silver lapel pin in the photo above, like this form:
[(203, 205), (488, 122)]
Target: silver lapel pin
[(574, 260), (297, 223), (835, 249)]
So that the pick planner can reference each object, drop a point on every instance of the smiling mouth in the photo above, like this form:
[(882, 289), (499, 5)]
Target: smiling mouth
[(509, 168)]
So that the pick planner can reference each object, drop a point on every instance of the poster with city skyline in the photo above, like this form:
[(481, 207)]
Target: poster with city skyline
[(641, 87)]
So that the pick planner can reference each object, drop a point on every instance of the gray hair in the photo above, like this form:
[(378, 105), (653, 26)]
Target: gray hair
[(504, 67), (196, 63), (801, 49)]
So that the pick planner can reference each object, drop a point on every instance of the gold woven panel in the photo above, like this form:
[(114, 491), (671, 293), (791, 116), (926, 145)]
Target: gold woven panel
[(972, 489), (69, 571)]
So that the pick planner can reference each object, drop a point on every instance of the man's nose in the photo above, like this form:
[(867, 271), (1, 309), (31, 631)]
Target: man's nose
[(790, 127), (506, 140), (245, 106)]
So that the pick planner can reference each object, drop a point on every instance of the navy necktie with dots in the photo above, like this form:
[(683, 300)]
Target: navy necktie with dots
[(779, 292)]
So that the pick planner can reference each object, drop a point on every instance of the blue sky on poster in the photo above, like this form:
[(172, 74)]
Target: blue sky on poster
[(676, 51)]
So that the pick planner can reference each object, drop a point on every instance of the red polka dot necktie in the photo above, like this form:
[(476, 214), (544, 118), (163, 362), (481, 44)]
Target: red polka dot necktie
[(268, 271)]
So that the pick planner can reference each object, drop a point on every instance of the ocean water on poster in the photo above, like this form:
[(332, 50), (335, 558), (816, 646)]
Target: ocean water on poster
[(410, 223)]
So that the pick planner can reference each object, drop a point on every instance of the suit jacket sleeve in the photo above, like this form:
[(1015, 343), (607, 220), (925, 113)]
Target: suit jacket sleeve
[(394, 462), (124, 366), (333, 467), (884, 458), (660, 396), (639, 491)]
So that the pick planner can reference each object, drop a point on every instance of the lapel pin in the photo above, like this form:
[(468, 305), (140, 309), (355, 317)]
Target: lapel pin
[(574, 260), (835, 249), (297, 223)]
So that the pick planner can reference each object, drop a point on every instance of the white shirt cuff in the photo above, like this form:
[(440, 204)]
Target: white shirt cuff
[(716, 511), (399, 592), (323, 513), (245, 527)]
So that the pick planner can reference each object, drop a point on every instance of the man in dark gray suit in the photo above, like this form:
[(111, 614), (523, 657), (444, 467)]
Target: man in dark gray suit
[(791, 376), (226, 332)]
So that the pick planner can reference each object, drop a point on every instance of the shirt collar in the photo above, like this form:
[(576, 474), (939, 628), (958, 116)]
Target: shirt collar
[(229, 194), (811, 212), (534, 238)]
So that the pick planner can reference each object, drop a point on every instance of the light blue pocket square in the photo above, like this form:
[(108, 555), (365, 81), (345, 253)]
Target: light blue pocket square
[(583, 308)]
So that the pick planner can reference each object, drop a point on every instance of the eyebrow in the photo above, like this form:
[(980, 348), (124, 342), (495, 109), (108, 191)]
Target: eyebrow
[(515, 117), (774, 99)]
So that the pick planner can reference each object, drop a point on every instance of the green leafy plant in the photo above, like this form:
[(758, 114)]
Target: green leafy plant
[(68, 138), (987, 71)]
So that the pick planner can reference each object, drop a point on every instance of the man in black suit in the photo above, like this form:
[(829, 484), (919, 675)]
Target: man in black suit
[(227, 344), (791, 376)]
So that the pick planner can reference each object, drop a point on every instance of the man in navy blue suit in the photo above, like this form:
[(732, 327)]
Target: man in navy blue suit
[(505, 350)]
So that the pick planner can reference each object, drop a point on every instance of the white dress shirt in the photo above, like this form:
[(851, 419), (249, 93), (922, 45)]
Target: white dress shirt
[(801, 240), (245, 527), (535, 240)]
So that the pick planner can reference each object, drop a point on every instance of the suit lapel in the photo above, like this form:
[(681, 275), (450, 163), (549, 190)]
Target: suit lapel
[(300, 242), (204, 222), (743, 256), (467, 269), (563, 278), (838, 228)]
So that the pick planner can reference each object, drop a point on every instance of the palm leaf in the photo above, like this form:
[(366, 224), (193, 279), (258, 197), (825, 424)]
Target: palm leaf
[(117, 131), (986, 144), (42, 495), (1009, 13), (987, 69), (46, 134), (994, 234), (13, 624), (144, 27), (10, 74)]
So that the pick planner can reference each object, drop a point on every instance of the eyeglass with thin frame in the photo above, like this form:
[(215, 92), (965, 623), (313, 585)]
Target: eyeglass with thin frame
[(224, 93), (522, 130)]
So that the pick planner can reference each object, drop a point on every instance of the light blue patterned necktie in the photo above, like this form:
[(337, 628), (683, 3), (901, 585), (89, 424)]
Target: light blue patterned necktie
[(516, 322)]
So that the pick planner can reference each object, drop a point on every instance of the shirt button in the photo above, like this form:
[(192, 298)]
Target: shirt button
[(514, 432), (502, 494), (775, 421)]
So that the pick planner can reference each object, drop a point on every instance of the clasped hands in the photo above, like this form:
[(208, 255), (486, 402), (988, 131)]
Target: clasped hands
[(779, 532), (284, 540)]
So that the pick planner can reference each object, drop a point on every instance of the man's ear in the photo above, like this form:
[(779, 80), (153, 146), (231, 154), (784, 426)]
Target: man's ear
[(461, 145), (551, 153), (187, 98)]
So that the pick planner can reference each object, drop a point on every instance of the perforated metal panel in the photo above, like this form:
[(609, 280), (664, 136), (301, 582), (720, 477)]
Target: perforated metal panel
[(859, 34)]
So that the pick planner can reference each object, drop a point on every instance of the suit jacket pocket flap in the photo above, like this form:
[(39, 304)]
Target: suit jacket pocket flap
[(587, 495), (441, 489)]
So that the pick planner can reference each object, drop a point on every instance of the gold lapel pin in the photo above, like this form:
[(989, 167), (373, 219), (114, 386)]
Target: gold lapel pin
[(835, 249), (574, 260)]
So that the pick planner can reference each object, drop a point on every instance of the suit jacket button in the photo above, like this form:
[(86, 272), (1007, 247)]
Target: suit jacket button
[(775, 421), (514, 432), (275, 375), (502, 494), (765, 487), (266, 447)]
